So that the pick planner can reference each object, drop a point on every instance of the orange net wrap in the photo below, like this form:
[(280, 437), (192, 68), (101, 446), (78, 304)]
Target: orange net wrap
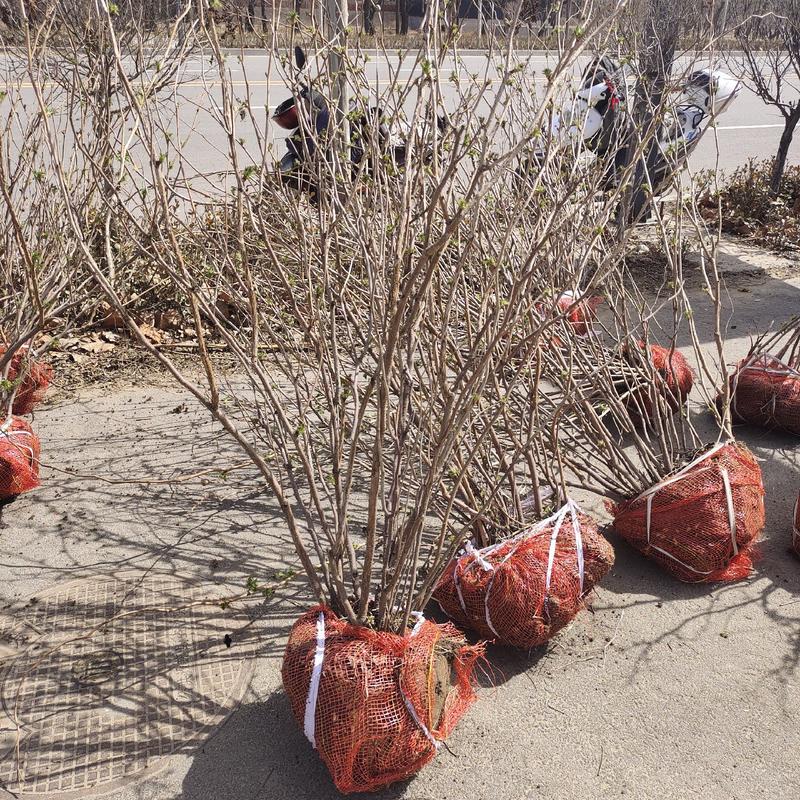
[(584, 312), (674, 382), (766, 391), (522, 591), (701, 523), (33, 386), (378, 703), (19, 458)]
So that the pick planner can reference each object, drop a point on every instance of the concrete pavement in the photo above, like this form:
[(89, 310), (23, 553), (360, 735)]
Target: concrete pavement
[(662, 691)]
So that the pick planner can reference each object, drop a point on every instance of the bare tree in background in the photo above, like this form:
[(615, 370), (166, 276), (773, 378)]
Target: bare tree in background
[(91, 73), (654, 35), (656, 30), (770, 62), (369, 9)]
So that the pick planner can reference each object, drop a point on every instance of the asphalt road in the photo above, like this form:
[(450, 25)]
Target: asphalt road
[(748, 129)]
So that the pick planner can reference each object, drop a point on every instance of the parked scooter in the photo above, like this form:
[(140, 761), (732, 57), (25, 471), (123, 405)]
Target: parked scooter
[(307, 115), (595, 114), (591, 121), (706, 94), (595, 120)]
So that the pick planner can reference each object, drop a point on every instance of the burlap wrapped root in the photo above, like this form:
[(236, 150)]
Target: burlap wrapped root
[(766, 391), (673, 379), (701, 523), (33, 379), (19, 458), (523, 590), (376, 705)]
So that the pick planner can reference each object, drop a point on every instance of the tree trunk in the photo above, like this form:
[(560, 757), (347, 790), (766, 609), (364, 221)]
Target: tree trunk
[(251, 13), (264, 24), (721, 17), (369, 9), (337, 21), (779, 165), (403, 6), (661, 38)]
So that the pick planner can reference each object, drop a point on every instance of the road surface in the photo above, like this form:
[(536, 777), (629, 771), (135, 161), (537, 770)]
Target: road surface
[(748, 129)]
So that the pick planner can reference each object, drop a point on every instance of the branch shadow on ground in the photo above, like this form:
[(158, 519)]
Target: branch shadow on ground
[(260, 752), (637, 582), (104, 679)]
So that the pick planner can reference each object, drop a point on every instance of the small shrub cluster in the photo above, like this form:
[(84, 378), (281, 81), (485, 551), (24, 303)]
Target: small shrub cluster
[(749, 209)]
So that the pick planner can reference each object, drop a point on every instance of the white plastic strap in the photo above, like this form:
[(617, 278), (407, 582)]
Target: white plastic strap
[(731, 510), (486, 613), (409, 705), (758, 363), (9, 434), (653, 490), (648, 514), (576, 530), (310, 720), (470, 550), (552, 554)]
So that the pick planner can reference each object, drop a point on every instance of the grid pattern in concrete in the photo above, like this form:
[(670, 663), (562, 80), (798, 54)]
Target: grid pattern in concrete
[(109, 675)]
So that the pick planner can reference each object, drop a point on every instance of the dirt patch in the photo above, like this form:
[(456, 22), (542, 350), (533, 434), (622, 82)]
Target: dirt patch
[(741, 265), (126, 365), (649, 267)]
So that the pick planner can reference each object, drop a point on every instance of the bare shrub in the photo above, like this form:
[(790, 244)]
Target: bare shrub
[(403, 373)]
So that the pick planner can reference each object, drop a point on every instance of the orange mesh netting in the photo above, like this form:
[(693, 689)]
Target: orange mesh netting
[(19, 458), (701, 523), (796, 528), (674, 382), (766, 391), (584, 312), (377, 704), (31, 390), (523, 590)]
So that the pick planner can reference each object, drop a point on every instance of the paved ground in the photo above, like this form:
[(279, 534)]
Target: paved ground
[(664, 691)]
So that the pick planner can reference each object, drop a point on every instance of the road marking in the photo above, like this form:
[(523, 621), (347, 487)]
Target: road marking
[(746, 127), (195, 84)]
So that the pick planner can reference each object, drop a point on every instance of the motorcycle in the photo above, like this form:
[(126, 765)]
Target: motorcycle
[(307, 115), (592, 120), (595, 120), (706, 94)]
